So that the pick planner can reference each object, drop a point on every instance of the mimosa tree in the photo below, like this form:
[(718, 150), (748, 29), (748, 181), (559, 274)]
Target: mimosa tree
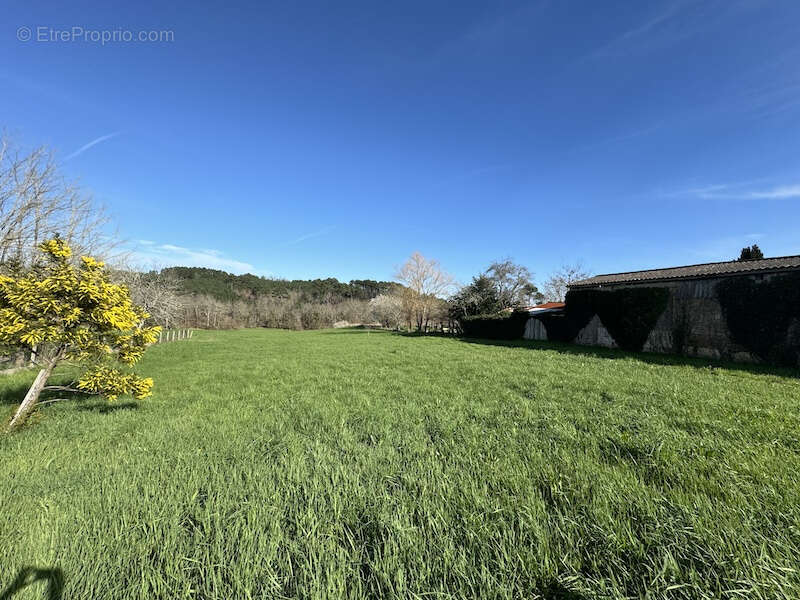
[(67, 313)]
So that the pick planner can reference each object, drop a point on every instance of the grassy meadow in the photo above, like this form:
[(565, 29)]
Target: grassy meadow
[(365, 464)]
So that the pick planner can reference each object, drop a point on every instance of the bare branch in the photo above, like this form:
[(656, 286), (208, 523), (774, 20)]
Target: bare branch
[(62, 388), (51, 401), (555, 288), (37, 202), (426, 284)]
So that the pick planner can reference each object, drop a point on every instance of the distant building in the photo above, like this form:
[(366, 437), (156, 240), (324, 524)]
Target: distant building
[(693, 321), (534, 328), (548, 306)]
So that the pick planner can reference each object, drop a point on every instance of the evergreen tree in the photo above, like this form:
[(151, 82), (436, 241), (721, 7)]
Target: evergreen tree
[(751, 253)]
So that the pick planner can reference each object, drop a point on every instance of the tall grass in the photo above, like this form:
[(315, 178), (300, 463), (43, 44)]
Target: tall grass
[(362, 464)]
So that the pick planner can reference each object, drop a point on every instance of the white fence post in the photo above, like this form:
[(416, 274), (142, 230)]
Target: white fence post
[(173, 335)]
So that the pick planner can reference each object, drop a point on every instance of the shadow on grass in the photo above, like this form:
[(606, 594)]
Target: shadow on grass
[(29, 576), (557, 591), (613, 354), (104, 407), (13, 394)]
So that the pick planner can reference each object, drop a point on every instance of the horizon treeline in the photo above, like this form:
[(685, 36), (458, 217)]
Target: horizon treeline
[(215, 299), (222, 285)]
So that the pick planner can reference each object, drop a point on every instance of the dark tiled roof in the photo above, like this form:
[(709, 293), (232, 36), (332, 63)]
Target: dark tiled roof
[(694, 271)]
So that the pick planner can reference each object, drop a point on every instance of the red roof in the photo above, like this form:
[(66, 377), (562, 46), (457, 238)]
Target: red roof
[(551, 305)]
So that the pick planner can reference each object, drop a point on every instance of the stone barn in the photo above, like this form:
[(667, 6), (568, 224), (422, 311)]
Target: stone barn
[(738, 310)]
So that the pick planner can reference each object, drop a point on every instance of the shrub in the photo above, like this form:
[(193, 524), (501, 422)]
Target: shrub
[(498, 326), (312, 317), (760, 313)]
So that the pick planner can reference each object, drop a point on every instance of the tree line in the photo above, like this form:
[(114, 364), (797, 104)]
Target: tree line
[(214, 299), (226, 286), (423, 297)]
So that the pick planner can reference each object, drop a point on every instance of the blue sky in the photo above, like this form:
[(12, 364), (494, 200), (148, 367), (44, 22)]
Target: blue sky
[(334, 139)]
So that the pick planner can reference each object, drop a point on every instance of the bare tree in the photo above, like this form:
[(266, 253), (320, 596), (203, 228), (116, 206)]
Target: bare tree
[(387, 309), (513, 283), (291, 311), (555, 288), (426, 283), (157, 292), (37, 203)]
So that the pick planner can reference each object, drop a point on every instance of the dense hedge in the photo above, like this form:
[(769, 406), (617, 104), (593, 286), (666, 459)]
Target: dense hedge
[(629, 314), (501, 326), (559, 327), (760, 313)]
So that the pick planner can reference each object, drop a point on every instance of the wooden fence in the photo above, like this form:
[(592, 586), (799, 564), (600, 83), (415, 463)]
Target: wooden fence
[(174, 335)]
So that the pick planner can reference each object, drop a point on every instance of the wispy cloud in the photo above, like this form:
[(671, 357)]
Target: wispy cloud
[(786, 191), (94, 142), (491, 34), (168, 255), (768, 99), (679, 20), (651, 23), (313, 234), (651, 30), (622, 137), (740, 191)]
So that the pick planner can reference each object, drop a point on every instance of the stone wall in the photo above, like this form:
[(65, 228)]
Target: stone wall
[(534, 330), (694, 324)]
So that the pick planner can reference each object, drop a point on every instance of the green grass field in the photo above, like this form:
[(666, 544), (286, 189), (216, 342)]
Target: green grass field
[(355, 464)]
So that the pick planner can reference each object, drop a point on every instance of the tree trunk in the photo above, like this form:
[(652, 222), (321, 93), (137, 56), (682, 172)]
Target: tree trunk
[(32, 397)]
